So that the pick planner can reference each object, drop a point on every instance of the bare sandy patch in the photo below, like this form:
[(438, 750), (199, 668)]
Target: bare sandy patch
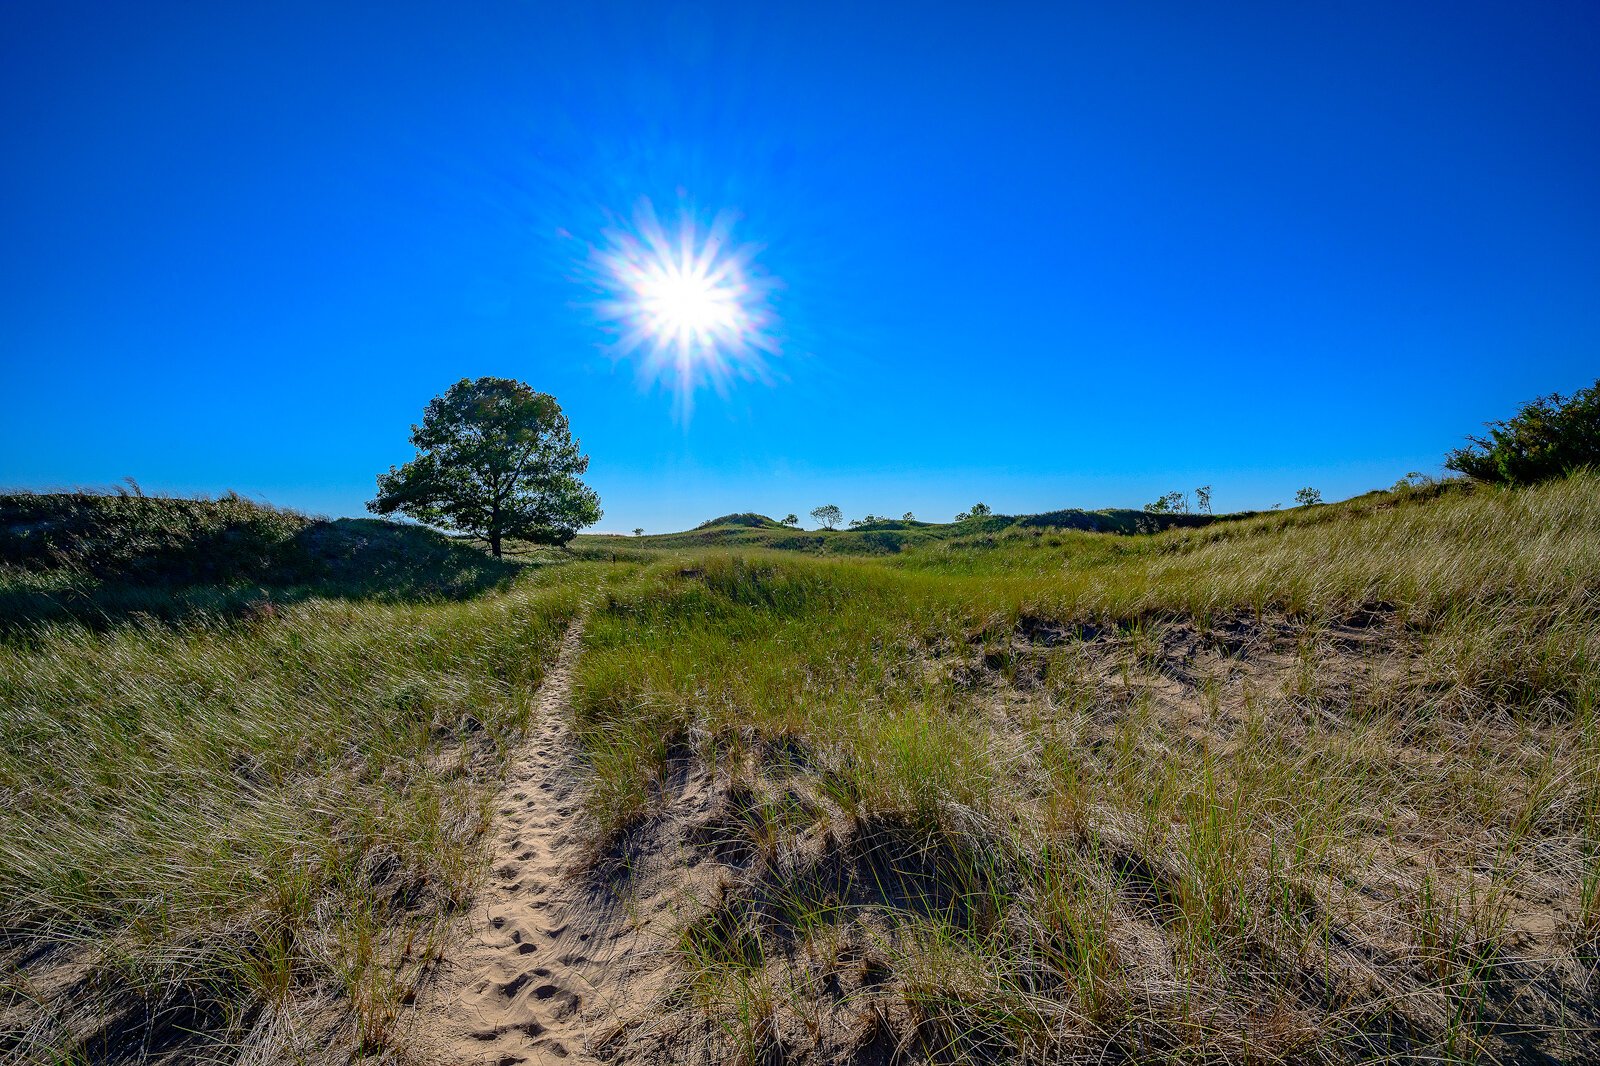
[(561, 954)]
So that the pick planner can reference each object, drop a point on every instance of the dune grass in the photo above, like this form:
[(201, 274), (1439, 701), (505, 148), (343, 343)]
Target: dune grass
[(1319, 785), (241, 836), (1313, 786)]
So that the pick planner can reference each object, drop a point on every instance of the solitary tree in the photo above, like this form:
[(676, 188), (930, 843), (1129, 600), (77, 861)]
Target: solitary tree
[(1202, 499), (908, 517), (494, 459), (827, 515), (790, 520), (1308, 496), (980, 510), (638, 531)]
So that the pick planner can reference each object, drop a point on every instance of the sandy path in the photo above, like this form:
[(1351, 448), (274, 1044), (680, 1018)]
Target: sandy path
[(546, 960)]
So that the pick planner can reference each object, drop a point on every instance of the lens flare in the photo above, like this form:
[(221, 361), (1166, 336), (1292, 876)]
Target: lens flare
[(690, 302)]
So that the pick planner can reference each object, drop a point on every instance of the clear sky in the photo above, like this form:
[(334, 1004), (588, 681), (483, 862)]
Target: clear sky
[(1040, 256)]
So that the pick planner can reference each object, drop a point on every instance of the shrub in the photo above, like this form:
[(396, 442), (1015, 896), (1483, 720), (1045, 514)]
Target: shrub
[(1550, 437)]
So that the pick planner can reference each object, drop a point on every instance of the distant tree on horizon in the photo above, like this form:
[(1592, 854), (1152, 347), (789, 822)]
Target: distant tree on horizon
[(638, 531), (979, 510), (790, 520), (1307, 497), (1172, 503), (1202, 499), (495, 459), (908, 517), (828, 515)]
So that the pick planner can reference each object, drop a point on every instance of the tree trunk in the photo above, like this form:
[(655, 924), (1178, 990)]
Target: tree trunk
[(494, 543)]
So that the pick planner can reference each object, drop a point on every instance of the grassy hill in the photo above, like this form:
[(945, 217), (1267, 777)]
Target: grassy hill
[(1314, 786), (1320, 785), (101, 557), (890, 536)]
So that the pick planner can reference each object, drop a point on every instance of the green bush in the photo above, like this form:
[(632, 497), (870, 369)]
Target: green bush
[(1550, 437)]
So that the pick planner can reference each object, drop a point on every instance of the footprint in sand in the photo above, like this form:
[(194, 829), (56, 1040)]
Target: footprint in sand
[(497, 998)]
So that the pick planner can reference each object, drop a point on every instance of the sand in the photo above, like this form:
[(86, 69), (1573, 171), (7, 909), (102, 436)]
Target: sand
[(551, 956)]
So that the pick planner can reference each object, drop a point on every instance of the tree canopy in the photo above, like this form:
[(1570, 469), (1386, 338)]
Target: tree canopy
[(828, 515), (495, 459), (1550, 437)]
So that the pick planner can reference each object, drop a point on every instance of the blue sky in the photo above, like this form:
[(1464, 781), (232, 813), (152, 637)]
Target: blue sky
[(1041, 256)]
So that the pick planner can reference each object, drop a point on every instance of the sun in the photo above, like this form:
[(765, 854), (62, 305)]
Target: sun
[(689, 301), (687, 305)]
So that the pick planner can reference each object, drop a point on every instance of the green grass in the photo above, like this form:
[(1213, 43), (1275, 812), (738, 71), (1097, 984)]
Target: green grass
[(1319, 785), (247, 832)]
